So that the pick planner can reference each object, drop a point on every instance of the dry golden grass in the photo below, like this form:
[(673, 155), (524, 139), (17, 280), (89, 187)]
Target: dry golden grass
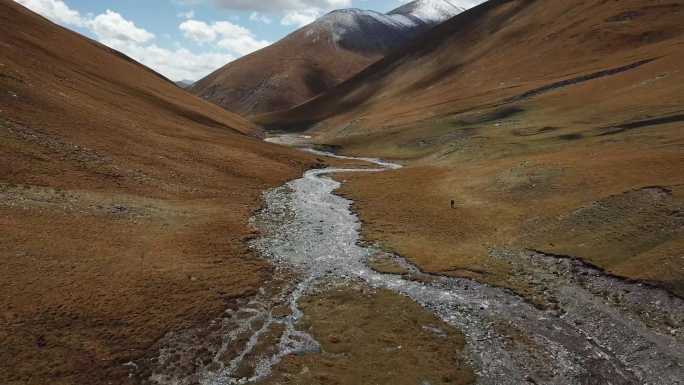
[(375, 338), (124, 204), (524, 113)]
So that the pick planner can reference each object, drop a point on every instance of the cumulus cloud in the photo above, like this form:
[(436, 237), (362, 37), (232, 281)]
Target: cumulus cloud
[(273, 6), (237, 39), (198, 31), (176, 64), (291, 12), (111, 26), (228, 41), (224, 34), (55, 10), (180, 63)]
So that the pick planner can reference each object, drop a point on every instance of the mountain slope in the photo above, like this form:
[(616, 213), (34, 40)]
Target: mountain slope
[(124, 204), (428, 11), (553, 125), (184, 83), (317, 57)]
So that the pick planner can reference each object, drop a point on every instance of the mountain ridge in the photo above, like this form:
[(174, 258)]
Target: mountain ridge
[(315, 58), (528, 112)]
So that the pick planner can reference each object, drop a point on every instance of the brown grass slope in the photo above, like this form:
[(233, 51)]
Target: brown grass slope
[(282, 75), (123, 206), (309, 61), (554, 125)]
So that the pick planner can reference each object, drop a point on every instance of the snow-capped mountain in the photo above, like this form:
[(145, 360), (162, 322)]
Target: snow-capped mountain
[(364, 30), (428, 11), (318, 56)]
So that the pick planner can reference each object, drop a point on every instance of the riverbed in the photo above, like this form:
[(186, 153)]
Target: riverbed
[(592, 329)]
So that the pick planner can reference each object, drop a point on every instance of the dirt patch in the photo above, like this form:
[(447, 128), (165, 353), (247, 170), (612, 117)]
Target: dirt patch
[(372, 337)]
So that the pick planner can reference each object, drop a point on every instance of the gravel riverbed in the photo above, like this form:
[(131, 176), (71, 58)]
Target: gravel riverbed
[(590, 327)]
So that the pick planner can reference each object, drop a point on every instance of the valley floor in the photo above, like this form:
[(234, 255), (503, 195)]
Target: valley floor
[(344, 311), (616, 204)]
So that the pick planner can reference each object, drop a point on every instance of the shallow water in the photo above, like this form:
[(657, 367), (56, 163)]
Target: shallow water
[(308, 228), (590, 337)]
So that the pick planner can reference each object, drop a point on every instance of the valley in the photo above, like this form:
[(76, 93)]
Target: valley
[(546, 150), (585, 326), (588, 327), (318, 57), (449, 192)]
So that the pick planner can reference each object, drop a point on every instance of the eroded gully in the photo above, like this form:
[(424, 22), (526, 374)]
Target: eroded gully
[(600, 329)]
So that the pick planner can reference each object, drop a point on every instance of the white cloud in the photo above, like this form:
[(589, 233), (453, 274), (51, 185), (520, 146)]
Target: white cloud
[(198, 31), (301, 18), (229, 36), (256, 16), (111, 26), (229, 41), (237, 39), (292, 12), (55, 10), (273, 6), (459, 3), (177, 64)]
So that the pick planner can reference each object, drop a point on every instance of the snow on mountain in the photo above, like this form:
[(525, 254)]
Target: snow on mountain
[(319, 56), (352, 18), (410, 15), (363, 30), (428, 11)]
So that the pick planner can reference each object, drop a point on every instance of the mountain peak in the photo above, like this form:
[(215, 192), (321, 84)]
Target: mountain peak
[(352, 24), (328, 51), (429, 11)]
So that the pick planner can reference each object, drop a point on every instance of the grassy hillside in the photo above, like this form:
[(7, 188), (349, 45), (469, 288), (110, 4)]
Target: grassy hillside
[(124, 204), (553, 125)]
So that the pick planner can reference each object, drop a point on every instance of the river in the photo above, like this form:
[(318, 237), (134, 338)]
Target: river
[(601, 329)]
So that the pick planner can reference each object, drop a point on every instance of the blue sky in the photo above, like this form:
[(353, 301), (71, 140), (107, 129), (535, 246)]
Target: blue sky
[(188, 39)]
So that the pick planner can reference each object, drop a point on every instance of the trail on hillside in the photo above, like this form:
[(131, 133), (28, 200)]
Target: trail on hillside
[(596, 329)]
